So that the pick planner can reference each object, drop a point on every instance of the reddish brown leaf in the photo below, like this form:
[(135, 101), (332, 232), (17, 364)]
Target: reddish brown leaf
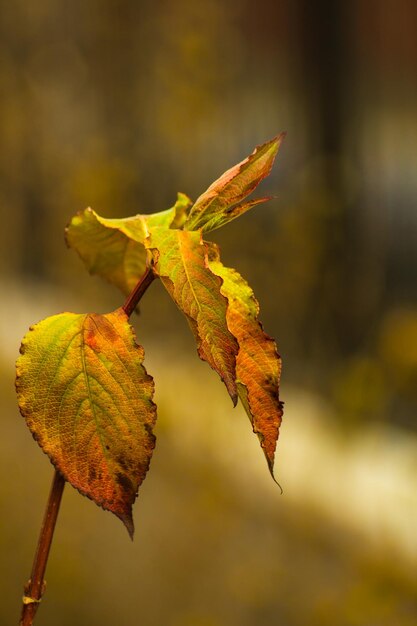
[(221, 202)]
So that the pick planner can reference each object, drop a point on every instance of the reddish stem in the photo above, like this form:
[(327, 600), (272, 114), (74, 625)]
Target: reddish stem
[(36, 585), (133, 299)]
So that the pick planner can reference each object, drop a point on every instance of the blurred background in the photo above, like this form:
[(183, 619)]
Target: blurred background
[(118, 105)]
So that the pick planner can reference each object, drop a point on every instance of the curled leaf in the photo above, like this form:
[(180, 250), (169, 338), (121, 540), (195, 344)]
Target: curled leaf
[(87, 400), (258, 364), (221, 202), (181, 263), (114, 248), (106, 250)]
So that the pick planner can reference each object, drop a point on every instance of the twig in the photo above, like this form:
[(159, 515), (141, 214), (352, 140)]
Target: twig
[(133, 299), (36, 585)]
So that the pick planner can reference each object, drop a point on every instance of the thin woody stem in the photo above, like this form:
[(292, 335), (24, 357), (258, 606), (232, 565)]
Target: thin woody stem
[(137, 293), (35, 586)]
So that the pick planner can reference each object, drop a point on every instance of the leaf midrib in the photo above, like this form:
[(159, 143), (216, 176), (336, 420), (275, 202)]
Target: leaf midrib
[(90, 398), (187, 275)]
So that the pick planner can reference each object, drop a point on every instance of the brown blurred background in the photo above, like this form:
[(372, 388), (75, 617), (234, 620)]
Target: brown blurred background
[(119, 105)]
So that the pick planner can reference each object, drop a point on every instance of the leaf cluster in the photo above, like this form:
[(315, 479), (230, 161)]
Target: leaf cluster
[(81, 384)]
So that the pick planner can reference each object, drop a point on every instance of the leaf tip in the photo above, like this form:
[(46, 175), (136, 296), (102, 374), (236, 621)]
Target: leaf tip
[(279, 138), (270, 462), (127, 520), (74, 222), (229, 379), (275, 480), (276, 143)]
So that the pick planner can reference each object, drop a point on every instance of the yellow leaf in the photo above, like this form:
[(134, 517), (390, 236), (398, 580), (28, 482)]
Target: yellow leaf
[(181, 263), (114, 248)]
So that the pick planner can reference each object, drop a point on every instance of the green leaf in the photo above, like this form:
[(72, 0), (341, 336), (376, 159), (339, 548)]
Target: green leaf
[(181, 263), (114, 248), (221, 203), (87, 400), (258, 364)]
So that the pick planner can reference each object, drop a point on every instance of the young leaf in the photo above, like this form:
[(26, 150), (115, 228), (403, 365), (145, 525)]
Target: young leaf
[(181, 262), (87, 400), (114, 248), (258, 364), (220, 203)]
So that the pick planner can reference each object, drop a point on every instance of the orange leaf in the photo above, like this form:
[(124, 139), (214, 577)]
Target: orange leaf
[(87, 400), (258, 364)]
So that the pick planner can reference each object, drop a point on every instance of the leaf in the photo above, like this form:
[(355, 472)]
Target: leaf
[(219, 204), (114, 248), (181, 263), (106, 250), (258, 364), (87, 400), (180, 212)]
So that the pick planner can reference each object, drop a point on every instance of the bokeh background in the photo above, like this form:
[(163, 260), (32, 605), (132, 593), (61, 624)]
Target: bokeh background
[(120, 104)]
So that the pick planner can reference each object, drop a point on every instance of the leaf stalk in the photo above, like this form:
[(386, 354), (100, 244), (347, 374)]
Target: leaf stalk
[(137, 293)]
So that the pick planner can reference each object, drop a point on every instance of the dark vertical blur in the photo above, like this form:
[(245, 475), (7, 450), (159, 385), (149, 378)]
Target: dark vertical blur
[(325, 76)]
